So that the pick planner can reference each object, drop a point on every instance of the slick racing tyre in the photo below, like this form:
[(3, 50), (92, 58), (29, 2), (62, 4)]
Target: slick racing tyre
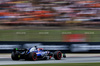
[(33, 56), (57, 55), (15, 55)]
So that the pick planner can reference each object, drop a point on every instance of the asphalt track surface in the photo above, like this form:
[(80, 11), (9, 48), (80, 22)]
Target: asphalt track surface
[(9, 61)]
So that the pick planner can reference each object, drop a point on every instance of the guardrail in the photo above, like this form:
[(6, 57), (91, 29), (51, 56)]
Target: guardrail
[(67, 47)]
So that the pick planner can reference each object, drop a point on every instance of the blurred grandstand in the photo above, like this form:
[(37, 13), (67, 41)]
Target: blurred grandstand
[(50, 12)]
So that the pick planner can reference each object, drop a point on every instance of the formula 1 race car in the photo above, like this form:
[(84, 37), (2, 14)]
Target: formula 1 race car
[(35, 53)]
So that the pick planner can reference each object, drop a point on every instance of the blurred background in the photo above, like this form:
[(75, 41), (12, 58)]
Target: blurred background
[(52, 20), (69, 14)]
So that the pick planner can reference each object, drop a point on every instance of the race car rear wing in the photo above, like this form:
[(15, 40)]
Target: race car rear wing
[(19, 49)]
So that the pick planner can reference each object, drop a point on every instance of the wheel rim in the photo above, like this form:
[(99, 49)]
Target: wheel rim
[(59, 55), (34, 56)]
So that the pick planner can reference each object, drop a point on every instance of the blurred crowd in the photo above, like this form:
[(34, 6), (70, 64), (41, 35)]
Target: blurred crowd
[(49, 11)]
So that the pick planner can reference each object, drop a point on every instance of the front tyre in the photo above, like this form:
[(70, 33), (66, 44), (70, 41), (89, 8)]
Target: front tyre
[(15, 55), (57, 55), (33, 56)]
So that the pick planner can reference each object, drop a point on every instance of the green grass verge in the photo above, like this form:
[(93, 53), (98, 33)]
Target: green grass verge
[(46, 35), (59, 64)]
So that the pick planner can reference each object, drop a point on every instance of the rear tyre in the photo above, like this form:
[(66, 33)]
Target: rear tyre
[(57, 55), (26, 57), (15, 55), (33, 56)]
